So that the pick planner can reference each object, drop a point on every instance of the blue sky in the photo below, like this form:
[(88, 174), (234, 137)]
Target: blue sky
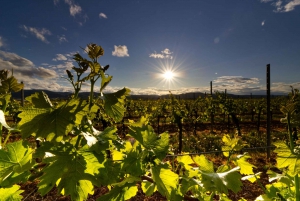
[(227, 42)]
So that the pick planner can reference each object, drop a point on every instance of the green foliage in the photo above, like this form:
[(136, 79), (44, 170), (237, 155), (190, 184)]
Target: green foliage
[(287, 159), (144, 134), (11, 194), (231, 145), (114, 104), (120, 193), (16, 158), (220, 181), (166, 181), (57, 121), (75, 157), (71, 170), (9, 84)]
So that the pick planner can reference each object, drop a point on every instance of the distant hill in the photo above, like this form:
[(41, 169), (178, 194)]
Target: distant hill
[(66, 95)]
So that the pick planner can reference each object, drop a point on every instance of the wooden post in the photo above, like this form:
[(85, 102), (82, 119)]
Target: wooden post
[(211, 114), (22, 95), (268, 111)]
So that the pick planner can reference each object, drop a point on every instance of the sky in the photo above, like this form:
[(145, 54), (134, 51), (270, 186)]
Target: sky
[(155, 46)]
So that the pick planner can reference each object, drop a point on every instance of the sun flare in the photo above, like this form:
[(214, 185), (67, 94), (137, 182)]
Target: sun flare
[(168, 75)]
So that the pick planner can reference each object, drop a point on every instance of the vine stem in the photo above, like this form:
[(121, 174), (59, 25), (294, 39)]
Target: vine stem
[(1, 136), (7, 137)]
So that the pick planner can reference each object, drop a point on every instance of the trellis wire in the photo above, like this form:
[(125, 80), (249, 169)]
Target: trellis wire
[(220, 151)]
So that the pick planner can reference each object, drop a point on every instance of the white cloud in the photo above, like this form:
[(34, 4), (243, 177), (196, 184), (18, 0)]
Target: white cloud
[(74, 9), (67, 65), (120, 51), (166, 51), (282, 7), (62, 38), (24, 68), (15, 59), (236, 79), (263, 23), (157, 55), (291, 5), (165, 54), (39, 33), (102, 15), (59, 57)]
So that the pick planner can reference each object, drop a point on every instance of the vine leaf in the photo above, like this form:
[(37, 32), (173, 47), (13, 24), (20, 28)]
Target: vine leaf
[(246, 167), (187, 162), (132, 163), (279, 177), (17, 158), (40, 100), (166, 181), (114, 104), (4, 99), (286, 158), (10, 84), (252, 178), (72, 171), (145, 135), (122, 193), (11, 194), (234, 144), (148, 188), (105, 80), (219, 182), (51, 123)]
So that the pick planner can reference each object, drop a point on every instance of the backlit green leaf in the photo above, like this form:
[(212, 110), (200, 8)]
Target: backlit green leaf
[(165, 180), (10, 84), (16, 158), (120, 193), (246, 167), (234, 144), (105, 80), (145, 135), (114, 104), (148, 188), (11, 194), (49, 123), (40, 100), (70, 170), (222, 182), (285, 158)]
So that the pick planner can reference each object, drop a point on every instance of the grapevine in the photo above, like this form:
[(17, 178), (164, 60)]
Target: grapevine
[(74, 157)]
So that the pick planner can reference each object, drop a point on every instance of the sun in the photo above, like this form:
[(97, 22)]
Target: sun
[(168, 75)]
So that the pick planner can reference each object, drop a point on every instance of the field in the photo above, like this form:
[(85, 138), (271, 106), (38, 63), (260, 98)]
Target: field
[(113, 148)]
